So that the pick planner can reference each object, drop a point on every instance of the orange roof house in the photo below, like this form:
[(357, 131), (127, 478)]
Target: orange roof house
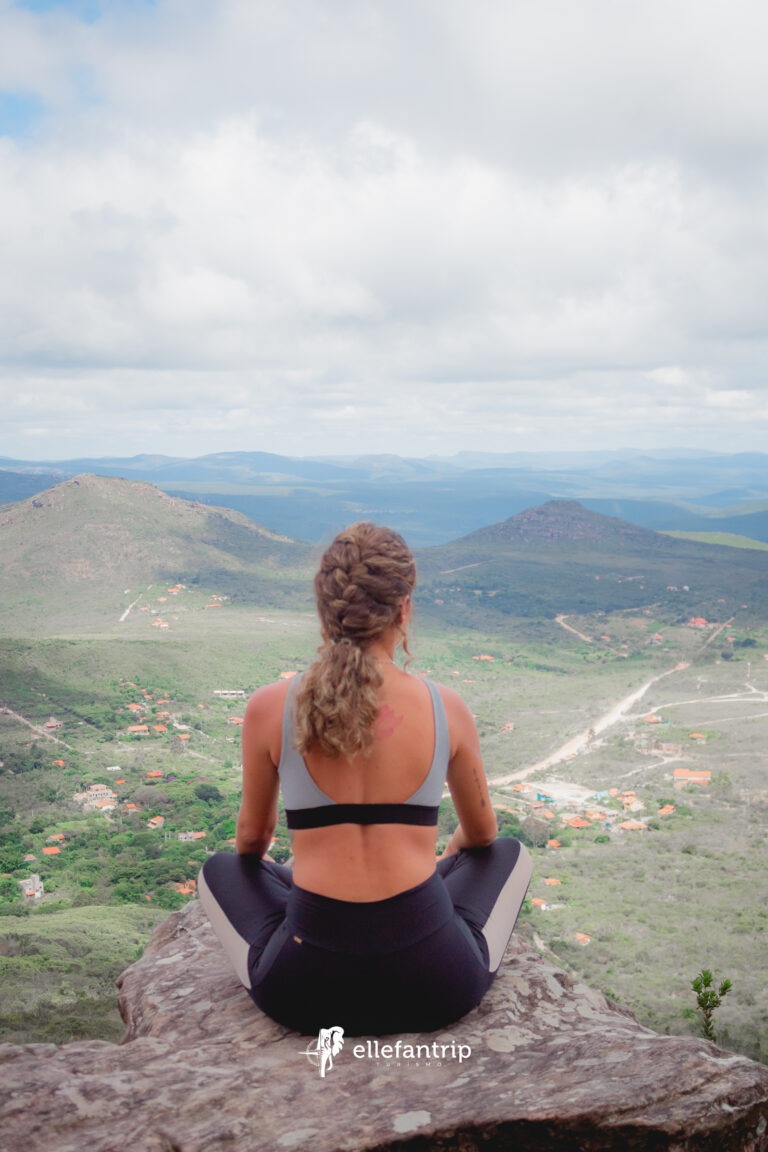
[(577, 822), (138, 729), (51, 851), (154, 775), (683, 776)]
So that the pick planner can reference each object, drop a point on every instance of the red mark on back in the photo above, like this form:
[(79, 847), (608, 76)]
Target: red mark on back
[(387, 722)]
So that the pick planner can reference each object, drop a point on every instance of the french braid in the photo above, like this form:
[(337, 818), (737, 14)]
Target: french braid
[(363, 579)]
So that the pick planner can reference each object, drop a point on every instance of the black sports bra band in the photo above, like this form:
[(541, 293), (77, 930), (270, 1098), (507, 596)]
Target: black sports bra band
[(326, 814)]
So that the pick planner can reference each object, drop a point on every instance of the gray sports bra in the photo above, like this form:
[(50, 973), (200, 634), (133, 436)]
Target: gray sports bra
[(307, 806)]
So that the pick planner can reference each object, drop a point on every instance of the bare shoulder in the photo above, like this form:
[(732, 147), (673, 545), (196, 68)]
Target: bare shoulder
[(270, 696), (461, 722), (455, 705), (267, 703), (263, 723)]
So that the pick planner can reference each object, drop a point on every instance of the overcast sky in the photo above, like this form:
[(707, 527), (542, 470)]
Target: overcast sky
[(410, 226)]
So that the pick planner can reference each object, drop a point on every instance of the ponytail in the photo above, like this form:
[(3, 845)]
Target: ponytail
[(363, 580)]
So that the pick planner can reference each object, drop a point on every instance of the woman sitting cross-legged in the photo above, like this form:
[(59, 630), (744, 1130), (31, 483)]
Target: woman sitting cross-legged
[(367, 931)]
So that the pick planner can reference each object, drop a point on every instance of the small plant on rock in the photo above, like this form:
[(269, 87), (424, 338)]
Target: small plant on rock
[(708, 998)]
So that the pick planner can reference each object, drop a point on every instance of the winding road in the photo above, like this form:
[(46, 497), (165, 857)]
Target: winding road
[(580, 742)]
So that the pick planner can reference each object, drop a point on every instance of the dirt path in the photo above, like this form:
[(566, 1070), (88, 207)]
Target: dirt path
[(561, 620), (580, 742), (127, 612), (36, 728)]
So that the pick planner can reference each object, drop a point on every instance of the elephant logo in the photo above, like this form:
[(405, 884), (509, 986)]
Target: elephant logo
[(321, 1052)]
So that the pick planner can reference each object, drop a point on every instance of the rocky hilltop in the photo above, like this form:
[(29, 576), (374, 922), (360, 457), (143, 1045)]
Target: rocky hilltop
[(543, 1064)]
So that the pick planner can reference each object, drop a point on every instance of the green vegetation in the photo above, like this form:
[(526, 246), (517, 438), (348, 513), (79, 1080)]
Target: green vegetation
[(58, 970), (709, 999), (729, 539)]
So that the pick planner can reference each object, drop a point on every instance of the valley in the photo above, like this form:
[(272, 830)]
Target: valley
[(627, 745)]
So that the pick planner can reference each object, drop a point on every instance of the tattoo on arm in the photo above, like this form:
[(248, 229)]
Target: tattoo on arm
[(479, 787)]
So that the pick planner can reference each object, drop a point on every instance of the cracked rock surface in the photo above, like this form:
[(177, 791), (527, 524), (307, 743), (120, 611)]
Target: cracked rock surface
[(544, 1063)]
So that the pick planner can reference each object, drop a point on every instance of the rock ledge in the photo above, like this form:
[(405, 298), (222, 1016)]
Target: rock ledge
[(552, 1065)]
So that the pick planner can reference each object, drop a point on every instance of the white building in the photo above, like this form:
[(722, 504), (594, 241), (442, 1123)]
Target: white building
[(32, 887)]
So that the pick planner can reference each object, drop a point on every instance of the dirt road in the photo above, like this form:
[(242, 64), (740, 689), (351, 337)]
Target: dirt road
[(36, 728), (580, 742)]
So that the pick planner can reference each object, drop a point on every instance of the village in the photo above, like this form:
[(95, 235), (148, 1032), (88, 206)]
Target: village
[(605, 771), (547, 812)]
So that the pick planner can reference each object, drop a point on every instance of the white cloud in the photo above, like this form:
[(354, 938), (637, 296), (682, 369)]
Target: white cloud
[(414, 228)]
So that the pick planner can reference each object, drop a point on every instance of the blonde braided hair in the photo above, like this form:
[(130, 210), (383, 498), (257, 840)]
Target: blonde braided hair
[(364, 578)]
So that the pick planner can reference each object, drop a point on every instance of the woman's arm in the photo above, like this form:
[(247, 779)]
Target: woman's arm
[(261, 735), (466, 780)]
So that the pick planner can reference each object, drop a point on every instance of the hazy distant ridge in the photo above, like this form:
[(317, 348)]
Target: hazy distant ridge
[(71, 552), (436, 499)]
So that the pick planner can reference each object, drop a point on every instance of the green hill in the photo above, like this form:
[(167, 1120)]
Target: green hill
[(73, 553), (561, 557), (76, 554)]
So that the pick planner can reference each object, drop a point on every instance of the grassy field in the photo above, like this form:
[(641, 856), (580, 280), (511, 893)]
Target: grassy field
[(688, 892)]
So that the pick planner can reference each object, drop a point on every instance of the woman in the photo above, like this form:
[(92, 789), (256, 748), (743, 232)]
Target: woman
[(367, 931)]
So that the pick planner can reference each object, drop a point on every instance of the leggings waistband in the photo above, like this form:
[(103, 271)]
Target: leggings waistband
[(370, 927)]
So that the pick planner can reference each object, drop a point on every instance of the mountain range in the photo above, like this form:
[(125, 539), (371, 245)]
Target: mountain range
[(70, 553), (436, 499)]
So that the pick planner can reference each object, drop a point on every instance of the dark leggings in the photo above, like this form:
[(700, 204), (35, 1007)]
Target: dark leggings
[(412, 963)]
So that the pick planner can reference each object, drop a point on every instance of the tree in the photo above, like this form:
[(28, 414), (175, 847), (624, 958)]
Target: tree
[(209, 793)]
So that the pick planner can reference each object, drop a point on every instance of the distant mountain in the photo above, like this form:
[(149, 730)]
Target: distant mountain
[(72, 550), (562, 557), (566, 523), (437, 499), (15, 486)]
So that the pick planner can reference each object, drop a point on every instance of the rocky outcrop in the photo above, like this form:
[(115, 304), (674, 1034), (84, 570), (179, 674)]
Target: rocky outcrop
[(544, 1063)]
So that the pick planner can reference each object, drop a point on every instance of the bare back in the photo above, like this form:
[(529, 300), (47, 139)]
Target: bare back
[(365, 862), (362, 862)]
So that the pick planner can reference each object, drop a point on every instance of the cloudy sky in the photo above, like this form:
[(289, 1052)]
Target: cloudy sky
[(412, 226)]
